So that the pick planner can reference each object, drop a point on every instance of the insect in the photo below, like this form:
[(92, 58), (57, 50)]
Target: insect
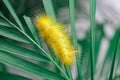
[(56, 37)]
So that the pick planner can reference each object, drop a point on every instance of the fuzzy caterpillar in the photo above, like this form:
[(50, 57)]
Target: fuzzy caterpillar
[(55, 36)]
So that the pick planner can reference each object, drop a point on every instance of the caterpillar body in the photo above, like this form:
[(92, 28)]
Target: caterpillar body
[(56, 37)]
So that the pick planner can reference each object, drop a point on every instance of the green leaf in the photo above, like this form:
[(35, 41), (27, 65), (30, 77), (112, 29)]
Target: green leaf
[(2, 16), (110, 53), (49, 8), (68, 71), (98, 39), (12, 34), (114, 56), (92, 34), (8, 76), (85, 57), (4, 23), (8, 5), (28, 67), (32, 28), (74, 37), (21, 51), (33, 32)]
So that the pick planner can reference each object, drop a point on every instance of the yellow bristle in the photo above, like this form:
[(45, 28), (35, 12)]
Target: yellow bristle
[(56, 38)]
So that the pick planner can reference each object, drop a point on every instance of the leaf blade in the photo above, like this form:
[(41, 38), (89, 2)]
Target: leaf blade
[(74, 37), (49, 8), (28, 67), (21, 51), (92, 35), (114, 56), (12, 34), (32, 28), (4, 23), (8, 5)]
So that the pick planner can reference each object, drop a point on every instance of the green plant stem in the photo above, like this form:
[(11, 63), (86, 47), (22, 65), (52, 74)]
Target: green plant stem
[(114, 57), (92, 33), (73, 30)]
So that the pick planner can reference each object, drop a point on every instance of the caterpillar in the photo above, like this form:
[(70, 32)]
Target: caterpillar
[(56, 37)]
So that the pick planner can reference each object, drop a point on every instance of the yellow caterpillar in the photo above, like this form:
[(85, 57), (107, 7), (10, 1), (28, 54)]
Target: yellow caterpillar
[(56, 38)]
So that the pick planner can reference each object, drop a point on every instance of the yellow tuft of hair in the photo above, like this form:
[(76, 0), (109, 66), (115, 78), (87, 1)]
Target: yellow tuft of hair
[(55, 36)]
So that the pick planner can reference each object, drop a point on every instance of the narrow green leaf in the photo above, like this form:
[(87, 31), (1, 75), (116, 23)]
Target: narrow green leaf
[(4, 23), (28, 67), (98, 39), (21, 51), (68, 71), (55, 59), (32, 29), (110, 53), (92, 34), (114, 57), (8, 76), (2, 16), (85, 57), (49, 8), (12, 34), (73, 30), (33, 32), (8, 5)]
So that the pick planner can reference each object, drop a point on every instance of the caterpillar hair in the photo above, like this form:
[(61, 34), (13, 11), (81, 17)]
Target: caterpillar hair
[(56, 37)]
